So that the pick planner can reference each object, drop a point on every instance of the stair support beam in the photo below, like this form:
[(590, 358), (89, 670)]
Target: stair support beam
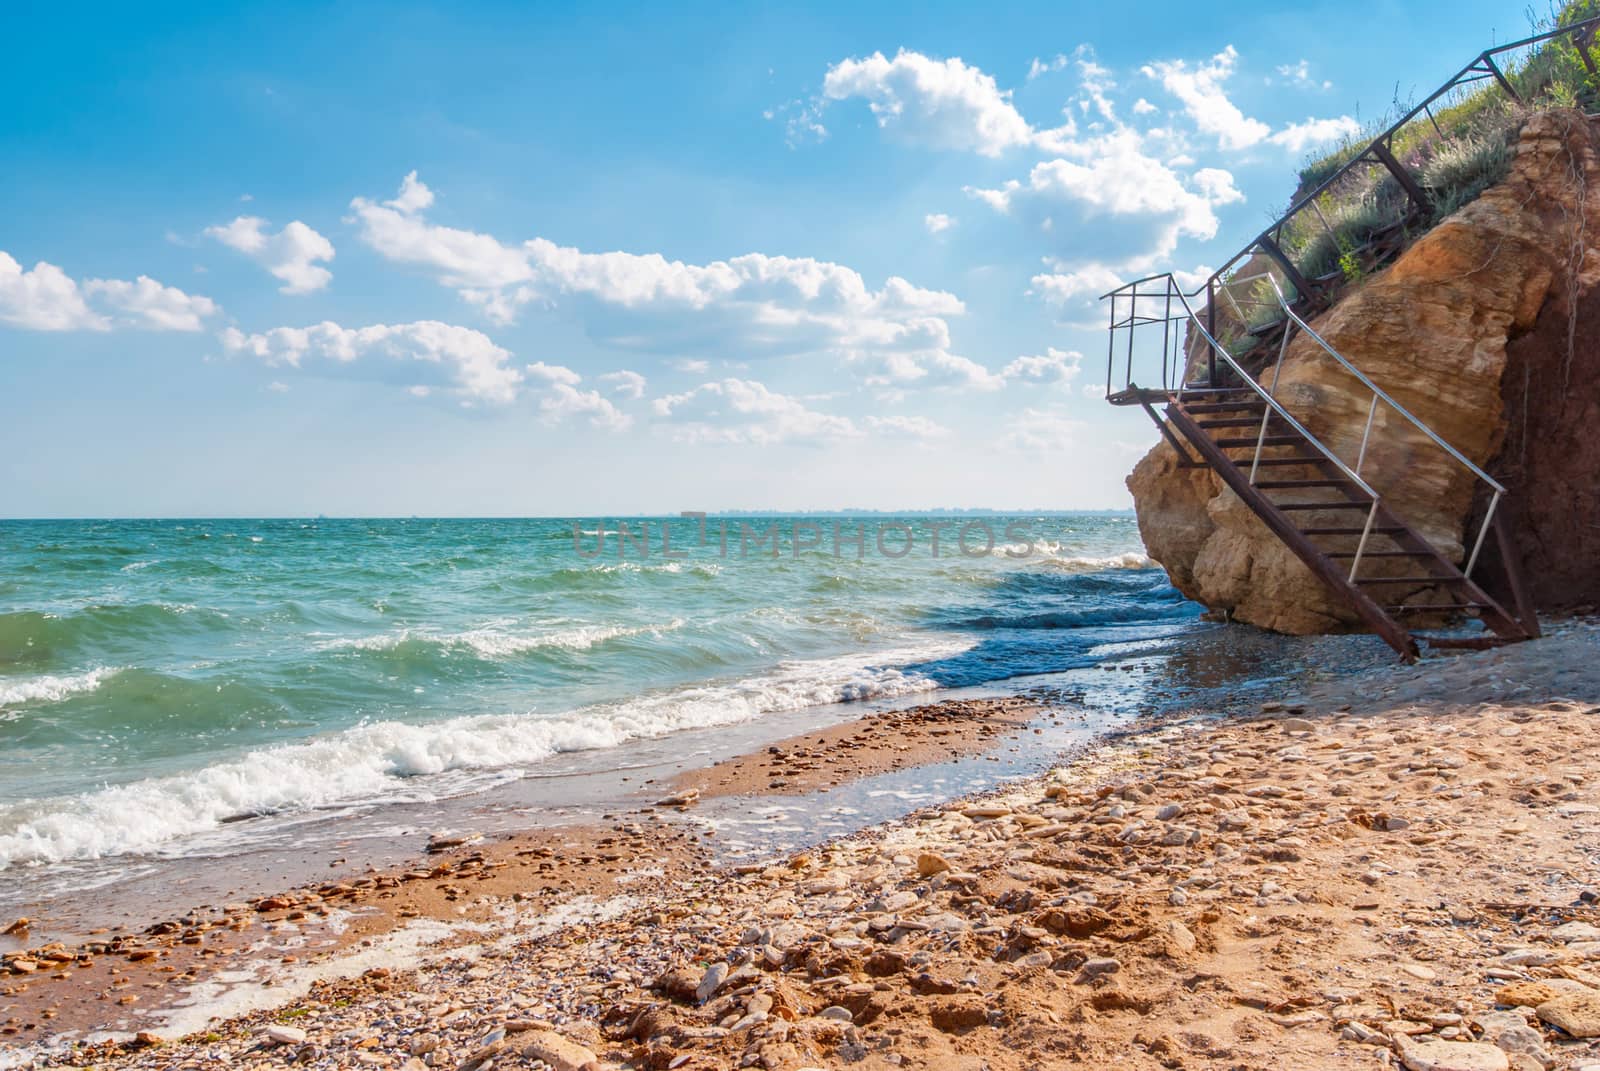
[(1307, 551)]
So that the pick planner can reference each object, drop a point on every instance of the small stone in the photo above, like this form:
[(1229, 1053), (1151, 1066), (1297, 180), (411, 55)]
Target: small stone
[(1450, 1056), (836, 1013), (710, 982), (1097, 968), (1567, 932), (1182, 937), (1578, 1014), (686, 798), (1526, 994), (929, 864), (19, 926), (279, 1034), (562, 1054), (1417, 970), (959, 1012), (1296, 725)]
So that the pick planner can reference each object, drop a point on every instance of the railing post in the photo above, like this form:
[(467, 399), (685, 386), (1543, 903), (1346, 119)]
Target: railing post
[(1211, 330), (1366, 534), (1366, 436), (1418, 195), (1287, 266), (1483, 531), (1488, 61)]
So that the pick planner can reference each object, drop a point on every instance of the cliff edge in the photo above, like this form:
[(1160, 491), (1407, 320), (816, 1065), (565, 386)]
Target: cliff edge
[(1483, 329)]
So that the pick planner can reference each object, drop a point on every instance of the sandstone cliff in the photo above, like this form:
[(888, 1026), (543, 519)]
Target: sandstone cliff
[(1479, 329)]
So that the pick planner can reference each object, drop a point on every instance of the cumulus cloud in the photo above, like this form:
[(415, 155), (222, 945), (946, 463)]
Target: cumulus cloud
[(1052, 366), (553, 373), (1040, 67), (910, 427), (1090, 280), (751, 306), (745, 411), (1298, 137), (625, 383), (45, 298), (938, 222), (562, 400), (1200, 89), (1115, 178), (290, 255), (944, 104), (466, 361)]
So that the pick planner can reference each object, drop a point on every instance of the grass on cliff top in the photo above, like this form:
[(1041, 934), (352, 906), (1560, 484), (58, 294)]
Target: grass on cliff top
[(1461, 149)]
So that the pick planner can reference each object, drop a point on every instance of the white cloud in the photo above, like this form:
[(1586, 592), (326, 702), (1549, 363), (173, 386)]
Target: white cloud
[(150, 305), (944, 104), (625, 383), (1049, 430), (1091, 280), (1144, 107), (553, 373), (934, 369), (747, 307), (467, 361), (912, 427), (691, 365), (45, 298), (1200, 90), (1154, 204), (1299, 74), (1052, 366), (1096, 82), (562, 400), (1042, 67), (745, 411), (1298, 137), (290, 255), (938, 222)]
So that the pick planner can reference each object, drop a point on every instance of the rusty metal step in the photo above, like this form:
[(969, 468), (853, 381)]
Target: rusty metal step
[(1270, 440), (1434, 580), (1382, 554), (1224, 407), (1435, 608), (1305, 506), (1385, 529), (1239, 422), (1280, 485), (1318, 460)]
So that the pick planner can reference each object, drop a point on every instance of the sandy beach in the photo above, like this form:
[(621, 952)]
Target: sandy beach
[(1394, 867)]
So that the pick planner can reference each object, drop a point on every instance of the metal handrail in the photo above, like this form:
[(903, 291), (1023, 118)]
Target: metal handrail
[(1266, 395), (1377, 391), (1171, 289)]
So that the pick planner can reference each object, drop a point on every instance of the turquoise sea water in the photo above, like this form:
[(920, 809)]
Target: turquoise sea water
[(160, 680)]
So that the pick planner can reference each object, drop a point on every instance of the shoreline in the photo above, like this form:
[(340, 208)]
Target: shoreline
[(638, 864)]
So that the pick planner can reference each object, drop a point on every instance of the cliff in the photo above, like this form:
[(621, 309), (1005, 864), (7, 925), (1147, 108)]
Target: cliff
[(1480, 328)]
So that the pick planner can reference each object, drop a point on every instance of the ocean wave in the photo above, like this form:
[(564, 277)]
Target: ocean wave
[(372, 761), (50, 689), (494, 643)]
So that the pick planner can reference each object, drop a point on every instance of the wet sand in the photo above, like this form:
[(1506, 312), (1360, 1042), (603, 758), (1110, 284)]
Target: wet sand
[(1354, 876)]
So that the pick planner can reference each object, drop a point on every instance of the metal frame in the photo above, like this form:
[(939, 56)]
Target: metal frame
[(1379, 151)]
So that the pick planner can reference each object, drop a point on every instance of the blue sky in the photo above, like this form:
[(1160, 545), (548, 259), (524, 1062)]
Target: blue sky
[(473, 259)]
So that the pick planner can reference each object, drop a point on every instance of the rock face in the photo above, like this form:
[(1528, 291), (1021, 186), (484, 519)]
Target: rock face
[(1433, 330)]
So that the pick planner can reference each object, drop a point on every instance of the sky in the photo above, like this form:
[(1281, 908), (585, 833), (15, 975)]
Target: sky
[(472, 259)]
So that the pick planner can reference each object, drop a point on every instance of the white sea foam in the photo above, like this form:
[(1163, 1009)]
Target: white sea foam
[(494, 641), (1130, 560), (366, 762), (14, 693)]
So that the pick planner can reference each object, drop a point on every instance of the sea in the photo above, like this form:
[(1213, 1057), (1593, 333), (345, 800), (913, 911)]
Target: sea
[(181, 689)]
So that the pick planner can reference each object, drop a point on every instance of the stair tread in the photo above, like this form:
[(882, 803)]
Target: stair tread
[(1270, 440), (1292, 461), (1407, 580), (1381, 554), (1224, 407), (1234, 422), (1291, 506), (1278, 485), (1434, 606), (1375, 530)]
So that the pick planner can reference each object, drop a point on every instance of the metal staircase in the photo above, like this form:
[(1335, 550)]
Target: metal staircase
[(1317, 503)]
